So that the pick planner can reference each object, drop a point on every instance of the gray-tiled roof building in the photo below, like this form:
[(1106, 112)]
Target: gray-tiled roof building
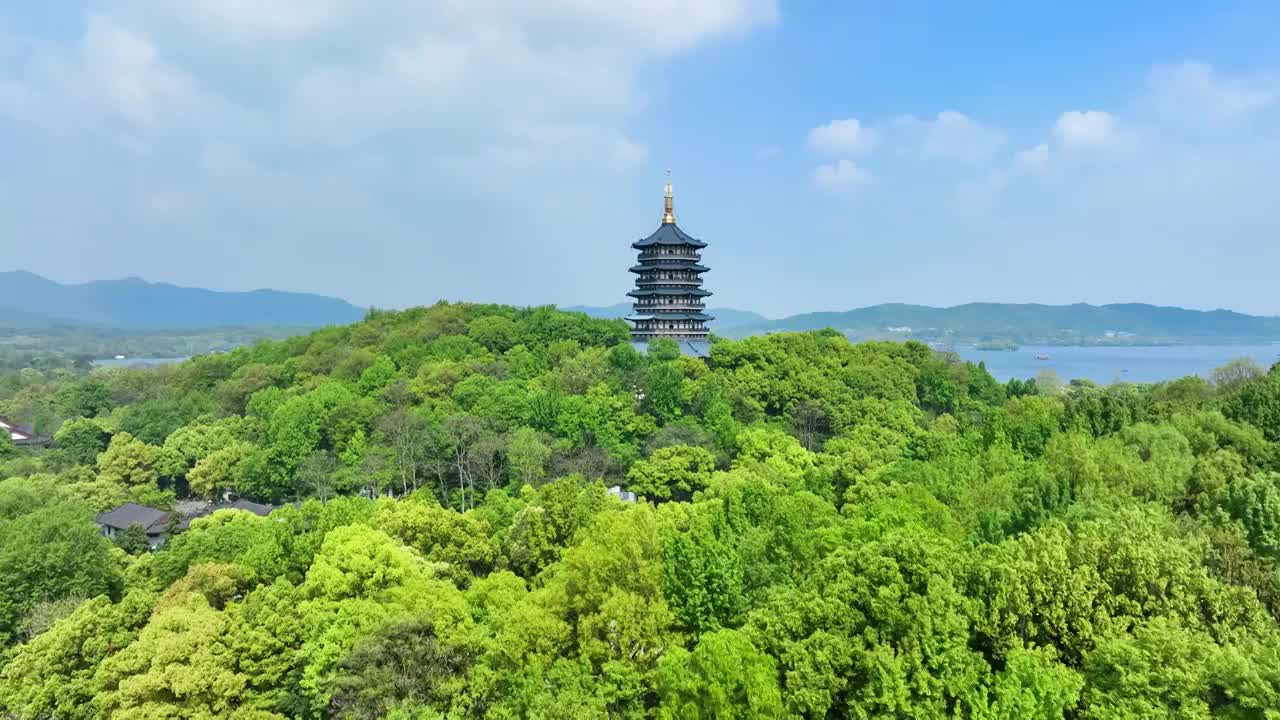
[(152, 521), (259, 509)]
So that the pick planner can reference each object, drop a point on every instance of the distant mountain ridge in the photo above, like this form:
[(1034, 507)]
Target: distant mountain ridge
[(28, 300), (135, 304), (1038, 322), (1019, 322)]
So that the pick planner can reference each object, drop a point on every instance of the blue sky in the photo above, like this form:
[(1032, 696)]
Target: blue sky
[(833, 154)]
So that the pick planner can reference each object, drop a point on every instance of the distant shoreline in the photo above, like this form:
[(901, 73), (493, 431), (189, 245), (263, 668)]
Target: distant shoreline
[(1116, 363)]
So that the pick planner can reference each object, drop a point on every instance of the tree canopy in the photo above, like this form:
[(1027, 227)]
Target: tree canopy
[(824, 530)]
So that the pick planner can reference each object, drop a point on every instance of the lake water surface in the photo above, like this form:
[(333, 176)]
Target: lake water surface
[(1105, 365), (132, 361), (1102, 365)]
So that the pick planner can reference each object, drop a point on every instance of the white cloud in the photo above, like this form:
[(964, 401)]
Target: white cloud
[(1087, 129), (657, 27), (489, 80), (127, 68), (15, 98), (843, 137), (401, 123), (1195, 88), (1032, 160), (997, 180), (114, 83), (276, 18), (840, 175), (627, 154), (950, 136)]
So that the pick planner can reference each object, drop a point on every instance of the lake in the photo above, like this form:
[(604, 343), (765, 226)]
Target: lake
[(1105, 365), (135, 361)]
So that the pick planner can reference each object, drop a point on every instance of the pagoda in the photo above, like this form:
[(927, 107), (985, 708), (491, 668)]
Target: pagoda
[(669, 294)]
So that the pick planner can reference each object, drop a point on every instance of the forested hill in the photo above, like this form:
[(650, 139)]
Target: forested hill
[(824, 530), (1031, 322), (134, 304)]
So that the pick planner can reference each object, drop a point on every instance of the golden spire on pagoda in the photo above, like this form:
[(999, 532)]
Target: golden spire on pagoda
[(668, 215)]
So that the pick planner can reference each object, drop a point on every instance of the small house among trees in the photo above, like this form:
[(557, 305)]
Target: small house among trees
[(158, 525), (622, 495), (154, 523), (259, 509), (22, 435)]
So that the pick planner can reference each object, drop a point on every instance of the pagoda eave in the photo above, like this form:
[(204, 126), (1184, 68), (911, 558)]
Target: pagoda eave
[(646, 292), (668, 234), (637, 317), (670, 266)]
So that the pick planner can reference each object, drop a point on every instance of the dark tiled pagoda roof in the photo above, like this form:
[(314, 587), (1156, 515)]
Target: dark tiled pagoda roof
[(669, 265), (668, 234), (638, 292), (658, 315)]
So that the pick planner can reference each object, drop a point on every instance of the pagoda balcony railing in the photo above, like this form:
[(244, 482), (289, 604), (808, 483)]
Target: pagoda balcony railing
[(668, 281), (659, 259), (669, 302), (674, 334), (664, 330), (666, 255), (671, 308)]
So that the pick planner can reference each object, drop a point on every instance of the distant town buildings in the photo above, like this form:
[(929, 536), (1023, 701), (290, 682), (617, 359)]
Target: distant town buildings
[(669, 299)]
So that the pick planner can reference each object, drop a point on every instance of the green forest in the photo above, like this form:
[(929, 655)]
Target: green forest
[(824, 530)]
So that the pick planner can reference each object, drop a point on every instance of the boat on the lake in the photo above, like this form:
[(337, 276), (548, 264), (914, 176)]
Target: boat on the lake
[(1043, 356)]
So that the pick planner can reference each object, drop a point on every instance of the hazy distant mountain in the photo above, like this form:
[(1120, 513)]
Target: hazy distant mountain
[(725, 318), (1026, 322), (18, 319), (30, 301), (135, 304), (608, 312)]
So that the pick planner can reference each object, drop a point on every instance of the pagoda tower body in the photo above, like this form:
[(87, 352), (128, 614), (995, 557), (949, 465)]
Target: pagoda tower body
[(669, 299)]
